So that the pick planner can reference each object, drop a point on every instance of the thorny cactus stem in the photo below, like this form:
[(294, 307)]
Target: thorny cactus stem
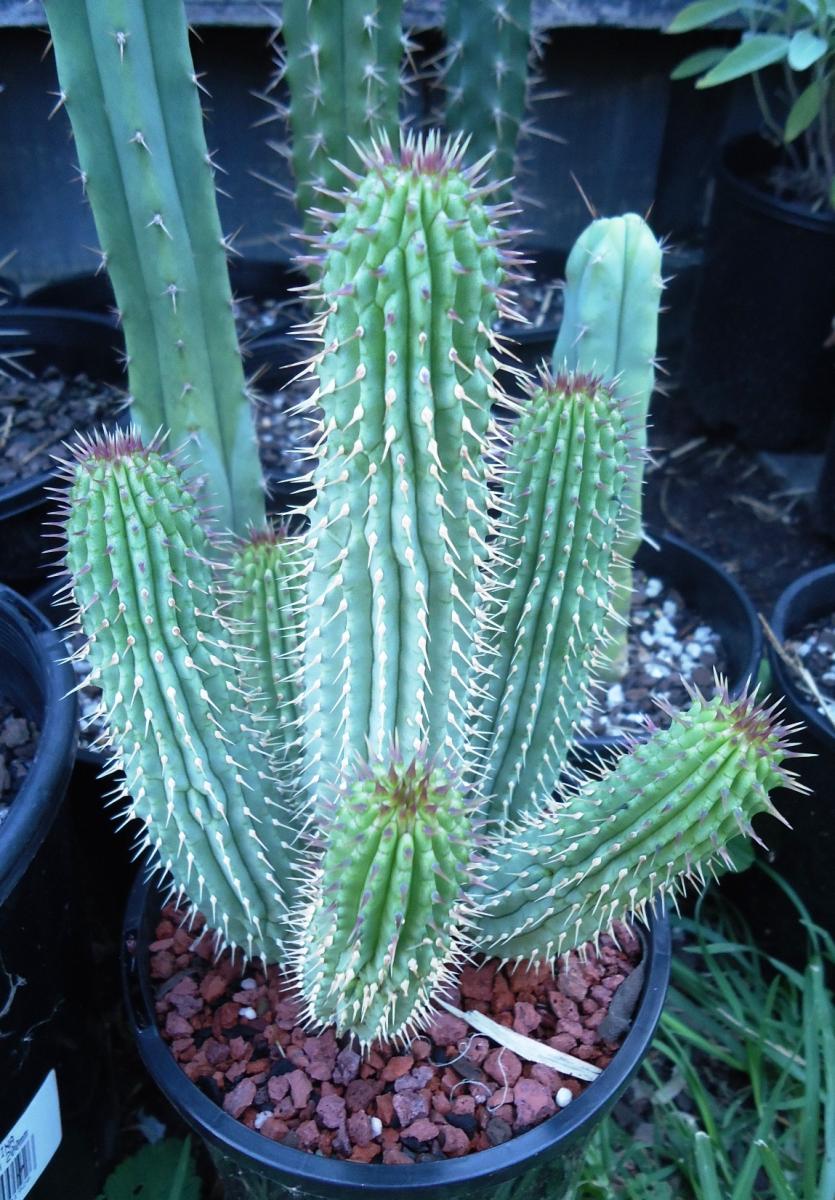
[(658, 818), (413, 278), (142, 573), (610, 326), (487, 78), (132, 94), (341, 62)]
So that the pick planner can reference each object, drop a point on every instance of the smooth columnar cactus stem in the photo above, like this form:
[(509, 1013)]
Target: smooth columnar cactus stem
[(132, 94), (567, 469), (610, 326), (486, 77), (140, 568), (341, 60), (265, 585), (386, 923), (655, 820), (412, 285)]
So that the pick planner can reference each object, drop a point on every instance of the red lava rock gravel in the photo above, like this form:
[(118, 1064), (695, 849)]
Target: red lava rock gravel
[(236, 1034)]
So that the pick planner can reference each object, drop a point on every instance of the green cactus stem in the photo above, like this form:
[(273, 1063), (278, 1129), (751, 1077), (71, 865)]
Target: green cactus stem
[(486, 78), (610, 326), (412, 284), (140, 567), (567, 468), (132, 94), (656, 819), (386, 923), (341, 60), (266, 586)]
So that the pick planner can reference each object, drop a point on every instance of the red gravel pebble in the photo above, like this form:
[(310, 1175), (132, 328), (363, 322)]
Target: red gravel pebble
[(316, 1093)]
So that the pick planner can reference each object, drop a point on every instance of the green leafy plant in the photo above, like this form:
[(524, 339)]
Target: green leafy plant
[(160, 1171), (348, 743), (739, 1088), (799, 36)]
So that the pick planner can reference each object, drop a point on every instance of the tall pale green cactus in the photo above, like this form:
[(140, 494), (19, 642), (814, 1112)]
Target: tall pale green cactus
[(373, 802), (610, 326), (487, 79), (341, 62), (133, 96)]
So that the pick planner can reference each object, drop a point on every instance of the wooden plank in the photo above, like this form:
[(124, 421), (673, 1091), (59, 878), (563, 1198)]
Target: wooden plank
[(420, 14)]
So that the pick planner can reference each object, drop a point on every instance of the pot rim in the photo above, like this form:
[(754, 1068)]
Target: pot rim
[(38, 801), (769, 205), (348, 1179), (26, 493), (784, 622)]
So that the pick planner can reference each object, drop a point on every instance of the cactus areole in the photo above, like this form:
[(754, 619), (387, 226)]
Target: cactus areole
[(348, 745)]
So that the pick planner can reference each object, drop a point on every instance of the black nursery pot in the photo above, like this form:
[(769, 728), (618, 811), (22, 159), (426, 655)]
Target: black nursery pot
[(803, 855), (44, 1025), (542, 1162), (754, 360), (256, 279), (75, 343)]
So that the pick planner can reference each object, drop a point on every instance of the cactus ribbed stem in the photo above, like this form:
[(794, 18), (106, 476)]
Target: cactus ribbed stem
[(610, 326), (141, 573), (567, 468), (386, 923), (342, 64), (133, 98), (399, 522), (486, 77), (659, 817)]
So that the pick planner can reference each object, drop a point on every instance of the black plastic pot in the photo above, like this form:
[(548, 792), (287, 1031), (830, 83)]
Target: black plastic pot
[(75, 343), (803, 855), (755, 361), (46, 1022), (540, 1163), (253, 278), (9, 291)]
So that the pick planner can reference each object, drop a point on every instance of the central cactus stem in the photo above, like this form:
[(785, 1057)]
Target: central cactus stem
[(412, 286)]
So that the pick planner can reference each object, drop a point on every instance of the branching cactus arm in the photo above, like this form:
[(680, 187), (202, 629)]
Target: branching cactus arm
[(341, 60), (141, 572), (610, 326), (567, 468), (655, 820), (486, 78), (131, 91)]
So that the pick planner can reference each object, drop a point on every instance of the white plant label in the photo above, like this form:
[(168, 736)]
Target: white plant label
[(26, 1150)]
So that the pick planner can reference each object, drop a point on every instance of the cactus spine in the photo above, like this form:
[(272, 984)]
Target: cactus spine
[(128, 82), (341, 60), (610, 326), (486, 78), (451, 591)]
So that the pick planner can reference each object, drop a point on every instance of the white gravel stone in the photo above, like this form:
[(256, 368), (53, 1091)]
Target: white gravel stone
[(376, 1126), (653, 588), (614, 696), (669, 608), (261, 1118), (563, 1097), (693, 649), (247, 985), (249, 1013)]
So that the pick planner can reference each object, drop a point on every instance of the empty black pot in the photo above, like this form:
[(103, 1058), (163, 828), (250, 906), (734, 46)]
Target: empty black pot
[(803, 855), (75, 343), (48, 1043), (250, 278), (755, 361), (542, 1162)]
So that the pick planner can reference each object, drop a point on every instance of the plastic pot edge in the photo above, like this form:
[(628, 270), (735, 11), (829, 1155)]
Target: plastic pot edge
[(350, 1180), (783, 624)]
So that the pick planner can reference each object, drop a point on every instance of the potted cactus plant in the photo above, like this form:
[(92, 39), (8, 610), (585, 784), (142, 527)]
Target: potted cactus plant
[(347, 739)]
